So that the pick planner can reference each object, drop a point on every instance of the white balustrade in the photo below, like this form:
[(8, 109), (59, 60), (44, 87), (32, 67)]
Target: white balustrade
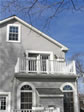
[(44, 66)]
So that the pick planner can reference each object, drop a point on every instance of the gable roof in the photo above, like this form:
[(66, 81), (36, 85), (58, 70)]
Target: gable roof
[(63, 48)]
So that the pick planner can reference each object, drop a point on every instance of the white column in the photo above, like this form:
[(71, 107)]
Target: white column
[(76, 101), (74, 67), (52, 63), (17, 65), (38, 64), (27, 65), (47, 66), (34, 98)]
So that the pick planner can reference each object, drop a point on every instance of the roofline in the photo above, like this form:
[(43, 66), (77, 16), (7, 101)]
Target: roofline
[(63, 48)]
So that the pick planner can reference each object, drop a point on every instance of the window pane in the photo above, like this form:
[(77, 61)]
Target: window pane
[(67, 87), (16, 29), (26, 87), (11, 29)]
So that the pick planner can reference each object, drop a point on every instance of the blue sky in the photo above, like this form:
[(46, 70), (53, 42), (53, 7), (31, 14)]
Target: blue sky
[(67, 28)]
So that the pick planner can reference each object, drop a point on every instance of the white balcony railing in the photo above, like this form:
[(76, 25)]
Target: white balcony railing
[(44, 66)]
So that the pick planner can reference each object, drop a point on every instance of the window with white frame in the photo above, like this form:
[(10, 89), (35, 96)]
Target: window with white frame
[(13, 33), (38, 61), (26, 97), (4, 101)]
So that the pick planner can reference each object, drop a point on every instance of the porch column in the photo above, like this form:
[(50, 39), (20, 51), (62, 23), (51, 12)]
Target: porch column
[(76, 101), (34, 98)]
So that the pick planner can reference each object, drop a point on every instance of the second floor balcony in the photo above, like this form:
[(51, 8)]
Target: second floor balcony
[(32, 65)]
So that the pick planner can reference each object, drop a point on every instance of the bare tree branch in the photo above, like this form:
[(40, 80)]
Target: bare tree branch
[(79, 59), (39, 7)]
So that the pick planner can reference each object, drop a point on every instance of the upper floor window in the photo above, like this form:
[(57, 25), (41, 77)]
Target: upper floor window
[(13, 33)]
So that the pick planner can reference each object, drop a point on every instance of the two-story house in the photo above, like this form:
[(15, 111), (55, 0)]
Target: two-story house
[(34, 74)]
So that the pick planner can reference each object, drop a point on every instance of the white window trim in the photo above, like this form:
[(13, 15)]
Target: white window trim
[(44, 52), (33, 94), (65, 84), (41, 52), (19, 33), (9, 99)]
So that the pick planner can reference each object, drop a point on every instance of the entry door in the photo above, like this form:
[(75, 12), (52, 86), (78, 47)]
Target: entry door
[(4, 103)]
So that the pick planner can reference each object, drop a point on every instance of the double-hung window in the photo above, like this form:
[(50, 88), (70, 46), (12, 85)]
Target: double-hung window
[(13, 33), (4, 101)]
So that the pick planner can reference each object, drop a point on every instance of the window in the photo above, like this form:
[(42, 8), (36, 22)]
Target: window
[(26, 97), (2, 103), (38, 62), (5, 101), (68, 99), (13, 33), (67, 87)]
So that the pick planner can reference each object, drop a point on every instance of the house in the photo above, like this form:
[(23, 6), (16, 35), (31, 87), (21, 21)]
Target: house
[(34, 74)]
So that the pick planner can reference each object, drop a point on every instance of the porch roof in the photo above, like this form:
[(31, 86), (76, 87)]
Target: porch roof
[(49, 91)]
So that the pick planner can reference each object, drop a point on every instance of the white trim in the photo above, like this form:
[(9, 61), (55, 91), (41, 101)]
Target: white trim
[(19, 33), (33, 94), (51, 95), (39, 52), (75, 97), (67, 83), (36, 30), (8, 94), (44, 52)]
